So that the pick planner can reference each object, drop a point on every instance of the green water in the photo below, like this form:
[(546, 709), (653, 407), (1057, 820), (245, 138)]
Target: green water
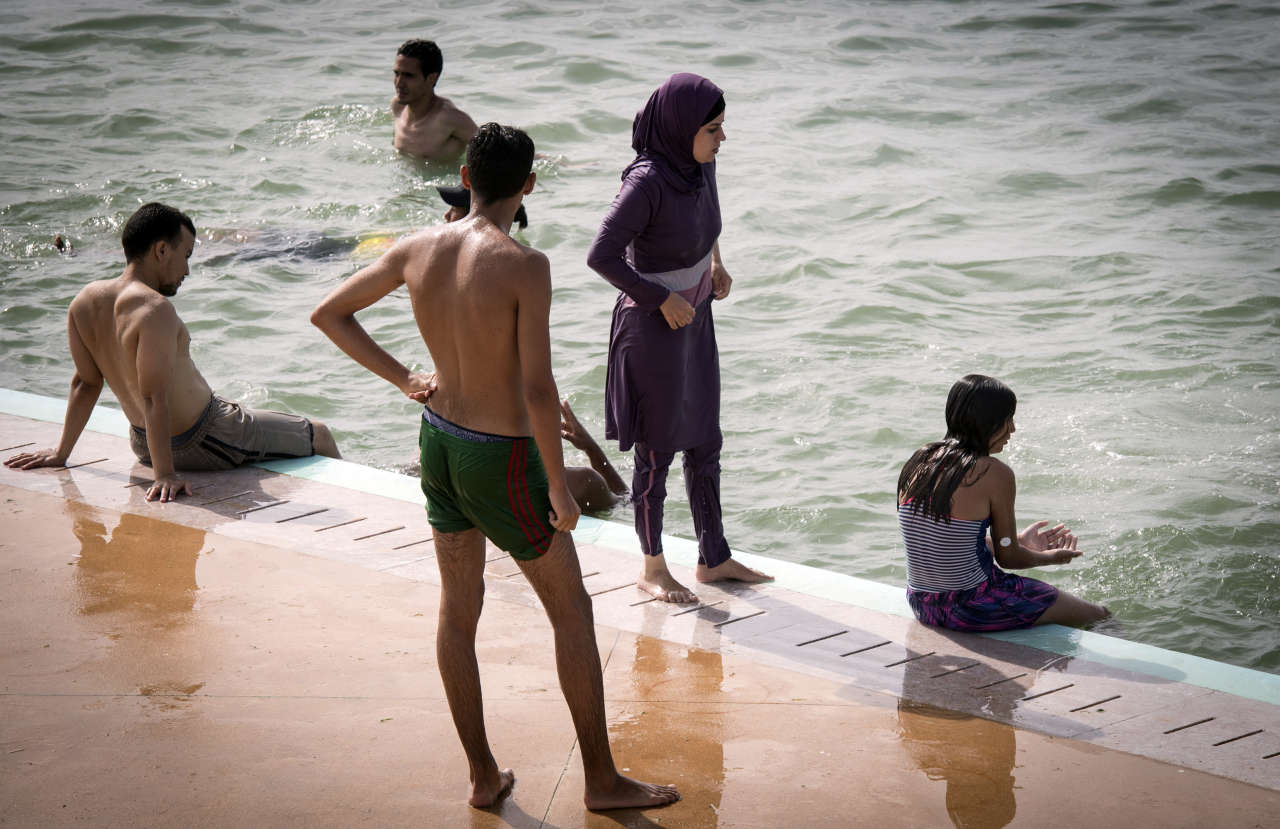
[(1081, 199)]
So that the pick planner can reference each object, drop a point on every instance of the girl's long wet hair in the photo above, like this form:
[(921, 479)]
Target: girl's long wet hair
[(978, 407)]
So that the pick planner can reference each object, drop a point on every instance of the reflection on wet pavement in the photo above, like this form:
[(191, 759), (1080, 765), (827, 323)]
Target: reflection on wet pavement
[(143, 566), (668, 739), (136, 585), (156, 674), (973, 756)]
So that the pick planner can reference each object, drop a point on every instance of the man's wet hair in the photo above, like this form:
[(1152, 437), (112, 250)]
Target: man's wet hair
[(151, 223), (425, 52), (498, 162)]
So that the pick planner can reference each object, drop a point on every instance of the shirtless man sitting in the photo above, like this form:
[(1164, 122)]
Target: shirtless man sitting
[(427, 125), (126, 333), (482, 303)]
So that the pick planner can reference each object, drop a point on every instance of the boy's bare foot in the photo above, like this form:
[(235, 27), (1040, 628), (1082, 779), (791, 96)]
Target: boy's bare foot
[(663, 587), (730, 570), (626, 793), (488, 792)]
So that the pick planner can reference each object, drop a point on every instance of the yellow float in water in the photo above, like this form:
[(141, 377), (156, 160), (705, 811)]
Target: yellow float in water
[(373, 246)]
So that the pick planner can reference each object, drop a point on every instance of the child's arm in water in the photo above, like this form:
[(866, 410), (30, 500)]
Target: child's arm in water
[(600, 487), (1034, 546)]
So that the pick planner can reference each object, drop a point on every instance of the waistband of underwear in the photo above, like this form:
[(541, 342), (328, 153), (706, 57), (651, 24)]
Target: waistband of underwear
[(182, 439), (451, 428)]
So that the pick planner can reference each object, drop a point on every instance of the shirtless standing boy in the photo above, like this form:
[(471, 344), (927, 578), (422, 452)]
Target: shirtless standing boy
[(427, 125), (126, 333), (482, 303)]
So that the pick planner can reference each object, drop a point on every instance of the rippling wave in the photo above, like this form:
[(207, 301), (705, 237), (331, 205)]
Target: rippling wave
[(1079, 198)]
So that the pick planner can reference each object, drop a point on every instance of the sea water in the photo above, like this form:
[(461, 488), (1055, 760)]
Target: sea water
[(1082, 199)]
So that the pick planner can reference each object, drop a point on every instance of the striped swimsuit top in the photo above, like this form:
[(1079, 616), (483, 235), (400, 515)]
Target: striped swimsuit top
[(942, 556)]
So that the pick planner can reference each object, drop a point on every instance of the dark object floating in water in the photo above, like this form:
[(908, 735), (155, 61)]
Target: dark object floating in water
[(460, 197), (295, 247)]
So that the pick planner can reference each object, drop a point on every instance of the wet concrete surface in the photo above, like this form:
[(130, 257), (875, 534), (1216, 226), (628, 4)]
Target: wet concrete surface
[(157, 674)]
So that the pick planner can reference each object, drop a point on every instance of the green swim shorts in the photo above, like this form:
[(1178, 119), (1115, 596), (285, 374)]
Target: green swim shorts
[(494, 483)]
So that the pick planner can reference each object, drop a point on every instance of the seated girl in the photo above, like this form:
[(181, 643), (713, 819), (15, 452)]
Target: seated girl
[(949, 493)]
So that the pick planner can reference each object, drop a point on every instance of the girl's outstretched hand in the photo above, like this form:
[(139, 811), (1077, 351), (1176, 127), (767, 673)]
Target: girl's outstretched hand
[(1038, 540), (1063, 553)]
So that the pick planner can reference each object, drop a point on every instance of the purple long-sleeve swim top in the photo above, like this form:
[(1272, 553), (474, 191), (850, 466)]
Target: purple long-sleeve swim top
[(657, 237)]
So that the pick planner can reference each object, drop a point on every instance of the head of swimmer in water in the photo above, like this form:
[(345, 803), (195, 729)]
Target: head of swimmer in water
[(416, 70), (158, 240), (709, 137), (499, 164), (980, 413)]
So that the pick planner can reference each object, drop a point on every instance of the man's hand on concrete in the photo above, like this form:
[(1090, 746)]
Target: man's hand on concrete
[(168, 488), (35, 460)]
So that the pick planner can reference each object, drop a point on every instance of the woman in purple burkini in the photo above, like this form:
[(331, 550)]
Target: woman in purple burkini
[(657, 246)]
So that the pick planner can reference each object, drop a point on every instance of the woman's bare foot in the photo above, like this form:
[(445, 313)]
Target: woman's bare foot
[(730, 570), (664, 587), (626, 793), (488, 792)]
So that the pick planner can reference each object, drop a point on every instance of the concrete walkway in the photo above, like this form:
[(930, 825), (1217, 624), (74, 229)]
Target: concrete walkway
[(262, 654)]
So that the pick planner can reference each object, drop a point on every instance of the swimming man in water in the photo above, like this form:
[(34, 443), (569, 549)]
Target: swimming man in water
[(427, 125), (126, 333), (482, 303)]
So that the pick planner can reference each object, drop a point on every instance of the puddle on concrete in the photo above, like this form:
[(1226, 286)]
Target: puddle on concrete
[(135, 584), (141, 566), (664, 742), (973, 757)]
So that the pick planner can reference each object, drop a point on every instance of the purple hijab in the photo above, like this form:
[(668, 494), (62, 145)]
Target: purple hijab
[(663, 132)]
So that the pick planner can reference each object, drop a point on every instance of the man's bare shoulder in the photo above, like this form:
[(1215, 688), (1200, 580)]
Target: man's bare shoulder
[(120, 309), (420, 243), (453, 114), (138, 305), (518, 257), (98, 298)]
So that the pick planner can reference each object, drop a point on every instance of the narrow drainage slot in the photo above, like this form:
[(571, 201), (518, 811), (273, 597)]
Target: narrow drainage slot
[(699, 607), (1055, 661), (1099, 702), (397, 564), (18, 446), (413, 543), (226, 498), (1272, 754), (1001, 681), (342, 524), (380, 532), (867, 648), (586, 576), (611, 589), (643, 601), (740, 618), (261, 507), (1051, 691), (1241, 737), (302, 515), (956, 670), (1191, 724), (822, 638), (910, 659), (83, 463)]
